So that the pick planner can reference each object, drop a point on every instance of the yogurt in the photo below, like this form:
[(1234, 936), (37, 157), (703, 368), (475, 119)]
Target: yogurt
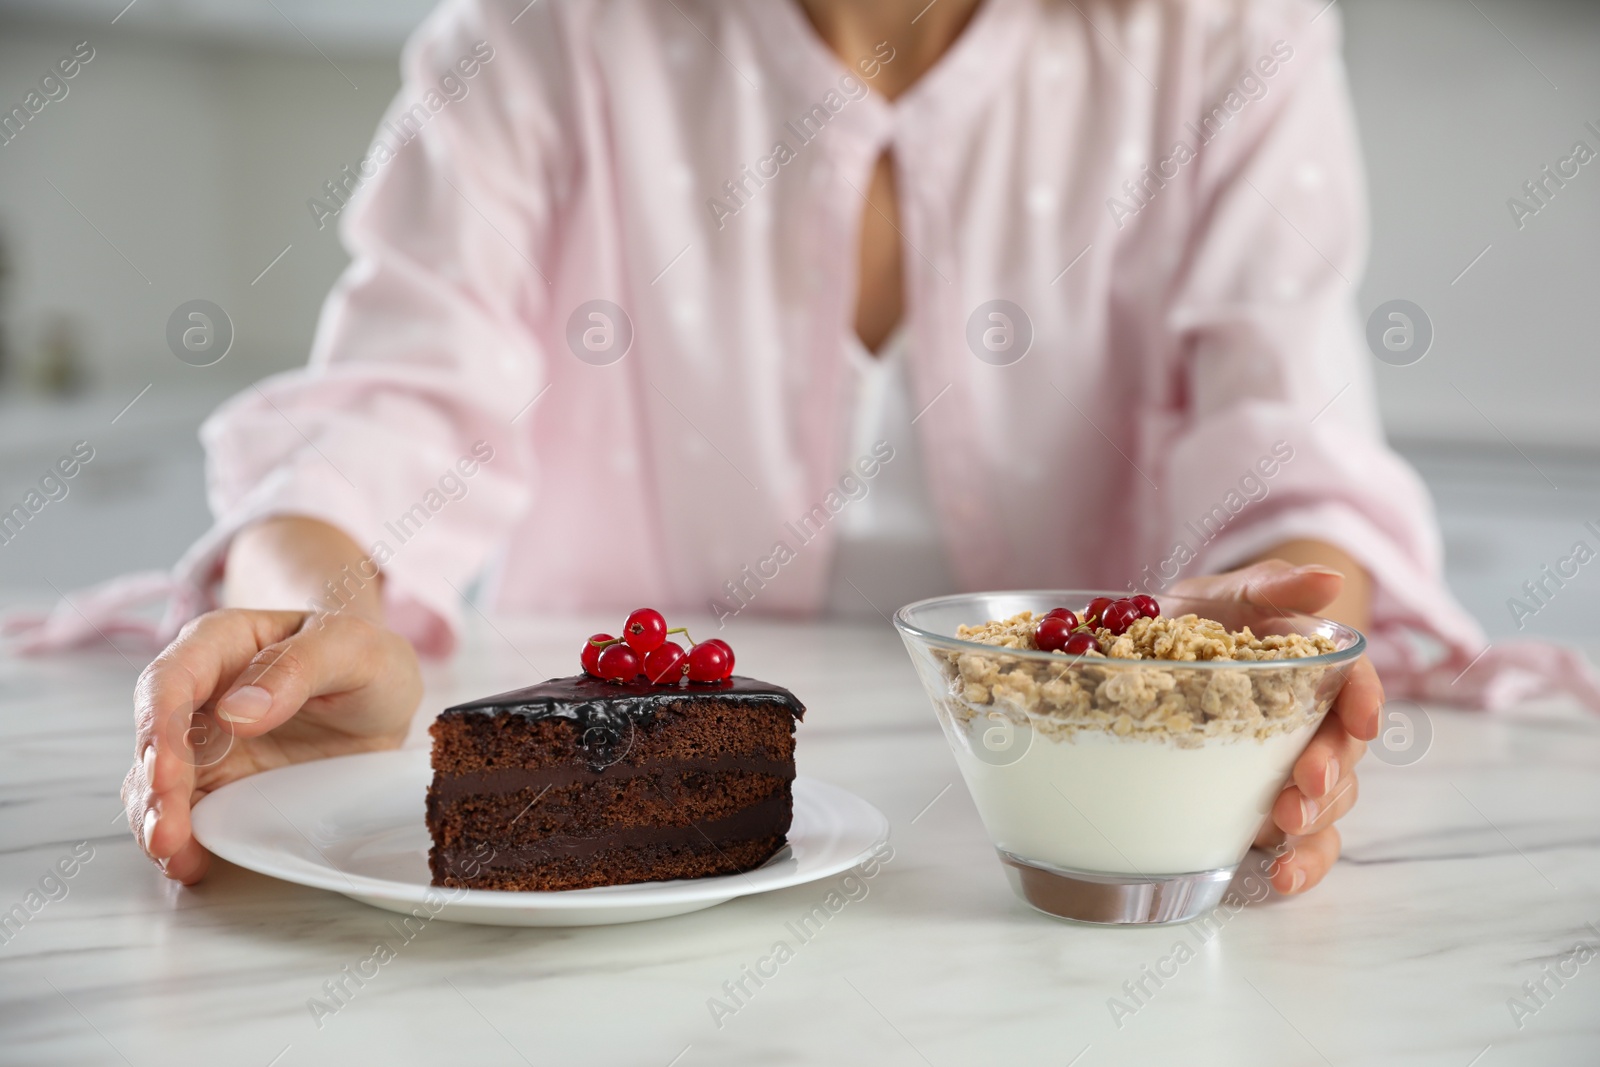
[(1095, 802)]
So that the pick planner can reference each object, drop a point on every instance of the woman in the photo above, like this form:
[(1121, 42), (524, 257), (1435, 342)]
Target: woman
[(638, 287)]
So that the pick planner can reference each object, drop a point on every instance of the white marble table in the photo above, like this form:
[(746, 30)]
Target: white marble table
[(1465, 875)]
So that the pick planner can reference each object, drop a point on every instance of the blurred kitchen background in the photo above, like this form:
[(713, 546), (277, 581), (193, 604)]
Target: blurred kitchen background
[(179, 164)]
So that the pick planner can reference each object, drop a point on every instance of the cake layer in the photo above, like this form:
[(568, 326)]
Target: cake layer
[(762, 819), (613, 866), (474, 743), (600, 722)]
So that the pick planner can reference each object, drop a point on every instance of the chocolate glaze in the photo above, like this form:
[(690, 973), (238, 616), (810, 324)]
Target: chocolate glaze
[(516, 779), (605, 713), (765, 818), (585, 699)]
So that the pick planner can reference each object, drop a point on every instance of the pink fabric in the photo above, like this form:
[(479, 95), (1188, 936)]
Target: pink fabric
[(1179, 333), (104, 611)]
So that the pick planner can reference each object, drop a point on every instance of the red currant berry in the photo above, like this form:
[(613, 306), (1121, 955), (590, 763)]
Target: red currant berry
[(667, 665), (1051, 634), (645, 630), (1119, 616), (1146, 604), (709, 662), (1096, 609), (727, 648), (619, 663), (1063, 613), (1080, 643), (591, 653)]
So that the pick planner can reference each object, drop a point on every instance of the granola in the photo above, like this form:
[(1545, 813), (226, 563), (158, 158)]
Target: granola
[(1116, 692)]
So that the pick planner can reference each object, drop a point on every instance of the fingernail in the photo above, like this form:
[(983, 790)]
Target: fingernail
[(149, 829), (245, 705), (1330, 777), (149, 762), (1317, 568), (1308, 811), (1297, 881)]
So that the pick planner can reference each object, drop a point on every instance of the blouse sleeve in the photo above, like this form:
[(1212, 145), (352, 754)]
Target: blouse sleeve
[(402, 430), (1281, 438)]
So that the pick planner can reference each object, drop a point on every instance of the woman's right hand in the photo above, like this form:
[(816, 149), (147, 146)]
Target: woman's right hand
[(242, 691)]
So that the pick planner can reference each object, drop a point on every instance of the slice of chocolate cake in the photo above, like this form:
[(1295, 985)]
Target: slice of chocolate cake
[(579, 782)]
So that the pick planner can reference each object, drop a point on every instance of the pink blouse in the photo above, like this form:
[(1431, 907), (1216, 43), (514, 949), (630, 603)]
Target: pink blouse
[(1166, 194)]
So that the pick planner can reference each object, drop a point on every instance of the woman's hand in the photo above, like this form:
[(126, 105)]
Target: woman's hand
[(242, 691), (1322, 789)]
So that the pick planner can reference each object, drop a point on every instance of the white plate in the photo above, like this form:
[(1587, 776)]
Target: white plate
[(354, 825)]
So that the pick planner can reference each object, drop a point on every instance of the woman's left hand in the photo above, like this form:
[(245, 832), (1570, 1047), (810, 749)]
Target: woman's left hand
[(1299, 830)]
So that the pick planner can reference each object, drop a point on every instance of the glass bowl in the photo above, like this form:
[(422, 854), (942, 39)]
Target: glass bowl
[(1121, 790)]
